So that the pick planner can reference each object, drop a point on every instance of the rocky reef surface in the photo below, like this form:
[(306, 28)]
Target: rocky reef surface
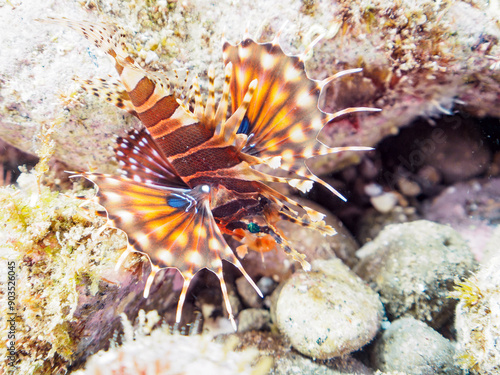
[(419, 296), (419, 58)]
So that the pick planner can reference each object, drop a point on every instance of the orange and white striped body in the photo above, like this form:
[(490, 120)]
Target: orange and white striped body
[(189, 176)]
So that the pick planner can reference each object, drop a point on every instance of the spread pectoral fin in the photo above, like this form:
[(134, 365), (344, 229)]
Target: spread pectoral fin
[(174, 227)]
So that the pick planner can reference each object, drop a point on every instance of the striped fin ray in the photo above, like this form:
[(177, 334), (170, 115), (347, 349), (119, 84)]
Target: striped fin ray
[(140, 159), (112, 92), (173, 227), (285, 202), (153, 95), (210, 106), (230, 127), (225, 130), (305, 221), (198, 107), (107, 37), (305, 184), (283, 115), (222, 108), (289, 250), (312, 218)]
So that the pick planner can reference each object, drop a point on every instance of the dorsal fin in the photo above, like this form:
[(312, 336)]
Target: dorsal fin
[(153, 96), (283, 118), (110, 91)]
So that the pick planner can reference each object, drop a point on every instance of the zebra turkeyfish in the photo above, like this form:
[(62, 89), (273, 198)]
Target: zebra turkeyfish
[(189, 177)]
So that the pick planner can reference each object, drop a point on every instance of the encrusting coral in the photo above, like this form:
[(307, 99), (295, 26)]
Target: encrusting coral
[(67, 295), (477, 320), (160, 352), (49, 238)]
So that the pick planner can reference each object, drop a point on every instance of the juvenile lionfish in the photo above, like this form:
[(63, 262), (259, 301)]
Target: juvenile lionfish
[(188, 176)]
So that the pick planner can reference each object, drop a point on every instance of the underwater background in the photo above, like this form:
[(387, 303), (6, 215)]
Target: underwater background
[(409, 285)]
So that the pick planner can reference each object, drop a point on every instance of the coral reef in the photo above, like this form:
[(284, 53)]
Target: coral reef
[(419, 59), (47, 239), (478, 320), (67, 295)]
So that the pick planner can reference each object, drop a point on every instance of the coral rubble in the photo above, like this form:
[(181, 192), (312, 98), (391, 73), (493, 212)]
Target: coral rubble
[(160, 352)]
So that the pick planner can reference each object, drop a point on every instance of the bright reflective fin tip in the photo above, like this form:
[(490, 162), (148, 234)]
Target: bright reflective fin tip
[(233, 323)]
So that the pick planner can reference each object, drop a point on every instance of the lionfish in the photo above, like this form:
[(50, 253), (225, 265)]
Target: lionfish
[(189, 177)]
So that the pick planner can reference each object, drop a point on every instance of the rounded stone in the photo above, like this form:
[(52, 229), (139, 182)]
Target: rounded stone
[(413, 348), (247, 293), (385, 202), (413, 267), (329, 311), (253, 319)]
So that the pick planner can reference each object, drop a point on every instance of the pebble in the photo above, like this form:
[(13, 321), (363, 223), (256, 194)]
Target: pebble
[(247, 293), (266, 285), (253, 319), (430, 175), (408, 188), (385, 202), (413, 267), (327, 312), (373, 189), (412, 347)]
